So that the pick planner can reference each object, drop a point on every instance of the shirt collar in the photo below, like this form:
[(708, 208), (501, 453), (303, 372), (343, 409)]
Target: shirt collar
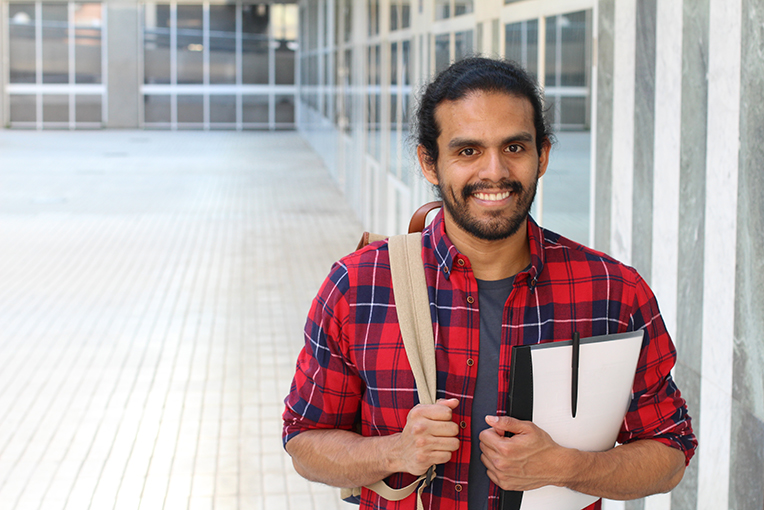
[(435, 238)]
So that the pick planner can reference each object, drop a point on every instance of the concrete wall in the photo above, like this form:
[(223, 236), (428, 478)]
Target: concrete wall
[(123, 69), (678, 195)]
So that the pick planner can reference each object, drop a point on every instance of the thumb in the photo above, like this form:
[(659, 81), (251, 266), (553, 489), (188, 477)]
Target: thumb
[(506, 424), (448, 402)]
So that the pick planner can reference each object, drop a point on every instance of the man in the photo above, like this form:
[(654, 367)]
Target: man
[(496, 279)]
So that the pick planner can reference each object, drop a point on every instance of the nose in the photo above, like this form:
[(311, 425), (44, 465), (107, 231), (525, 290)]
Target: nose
[(494, 168)]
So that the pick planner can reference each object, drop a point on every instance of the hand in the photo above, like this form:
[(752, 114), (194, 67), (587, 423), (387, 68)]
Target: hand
[(528, 460), (428, 438)]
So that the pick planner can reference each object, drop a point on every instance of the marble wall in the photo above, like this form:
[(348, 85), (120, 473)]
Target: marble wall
[(696, 217)]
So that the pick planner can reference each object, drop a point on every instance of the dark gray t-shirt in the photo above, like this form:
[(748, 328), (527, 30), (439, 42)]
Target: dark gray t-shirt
[(492, 295)]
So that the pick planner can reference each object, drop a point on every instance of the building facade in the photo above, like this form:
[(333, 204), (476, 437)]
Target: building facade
[(161, 65), (656, 106)]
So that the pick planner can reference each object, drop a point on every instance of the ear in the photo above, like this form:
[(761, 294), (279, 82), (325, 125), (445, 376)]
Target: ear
[(428, 167), (546, 146)]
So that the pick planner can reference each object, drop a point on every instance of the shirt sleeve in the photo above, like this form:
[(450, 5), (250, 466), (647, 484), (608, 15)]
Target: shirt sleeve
[(326, 389), (657, 410)]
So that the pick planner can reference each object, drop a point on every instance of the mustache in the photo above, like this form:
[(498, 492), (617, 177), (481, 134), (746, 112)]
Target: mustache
[(503, 185)]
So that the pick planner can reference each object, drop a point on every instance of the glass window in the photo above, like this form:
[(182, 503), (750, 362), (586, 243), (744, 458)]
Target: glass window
[(521, 44), (442, 52), (87, 43), (191, 109), (157, 109), (285, 109), (222, 109), (190, 46), (373, 17), (156, 44), (21, 48), (393, 15), (463, 44), (405, 13), (23, 108), (255, 63), (55, 108), (223, 44), (463, 7), (255, 109), (442, 9), (573, 34), (87, 108), (55, 44)]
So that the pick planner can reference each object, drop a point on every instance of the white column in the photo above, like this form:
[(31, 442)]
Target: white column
[(623, 129), (667, 157), (723, 142)]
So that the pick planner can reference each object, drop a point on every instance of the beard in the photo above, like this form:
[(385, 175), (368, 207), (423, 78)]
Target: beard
[(496, 225)]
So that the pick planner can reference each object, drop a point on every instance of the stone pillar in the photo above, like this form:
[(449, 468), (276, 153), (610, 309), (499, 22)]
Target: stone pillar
[(123, 68)]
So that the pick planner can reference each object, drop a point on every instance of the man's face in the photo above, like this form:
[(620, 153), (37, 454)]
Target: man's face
[(488, 165)]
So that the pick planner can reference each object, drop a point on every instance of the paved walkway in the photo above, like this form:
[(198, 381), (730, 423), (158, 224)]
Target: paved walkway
[(153, 287)]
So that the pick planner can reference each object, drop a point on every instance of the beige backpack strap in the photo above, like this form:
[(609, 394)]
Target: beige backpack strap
[(412, 305)]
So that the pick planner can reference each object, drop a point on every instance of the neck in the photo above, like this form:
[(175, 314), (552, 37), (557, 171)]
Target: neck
[(492, 260)]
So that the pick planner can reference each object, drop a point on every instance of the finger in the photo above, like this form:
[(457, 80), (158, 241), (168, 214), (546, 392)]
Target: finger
[(507, 424), (451, 403)]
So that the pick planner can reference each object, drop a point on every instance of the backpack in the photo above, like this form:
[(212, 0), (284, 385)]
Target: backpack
[(413, 307)]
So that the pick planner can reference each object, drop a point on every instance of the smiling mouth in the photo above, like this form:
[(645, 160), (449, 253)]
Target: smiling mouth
[(492, 197)]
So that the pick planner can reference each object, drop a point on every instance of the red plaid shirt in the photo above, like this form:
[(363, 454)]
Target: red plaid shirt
[(354, 363)]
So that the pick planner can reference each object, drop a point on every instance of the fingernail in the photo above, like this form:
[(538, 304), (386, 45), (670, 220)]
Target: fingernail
[(493, 419)]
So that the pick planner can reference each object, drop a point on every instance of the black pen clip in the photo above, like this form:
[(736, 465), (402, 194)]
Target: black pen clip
[(574, 376)]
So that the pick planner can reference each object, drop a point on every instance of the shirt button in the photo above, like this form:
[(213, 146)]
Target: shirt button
[(470, 362), (458, 487), (470, 299), (460, 262), (463, 424), (445, 269)]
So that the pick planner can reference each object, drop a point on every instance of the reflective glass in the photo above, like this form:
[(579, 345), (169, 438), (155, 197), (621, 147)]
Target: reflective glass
[(88, 108), (222, 44), (373, 17), (87, 43), (55, 108), (405, 13), (190, 109), (442, 9), (521, 44), (573, 112), (190, 44), (255, 20), (21, 36), (157, 109), (393, 15), (463, 44), (23, 108), (255, 109), (573, 51), (347, 13), (551, 79), (284, 109), (222, 109), (463, 7), (156, 44), (442, 52), (55, 44), (284, 21)]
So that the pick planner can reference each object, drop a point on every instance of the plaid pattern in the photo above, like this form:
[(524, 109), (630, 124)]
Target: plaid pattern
[(354, 363)]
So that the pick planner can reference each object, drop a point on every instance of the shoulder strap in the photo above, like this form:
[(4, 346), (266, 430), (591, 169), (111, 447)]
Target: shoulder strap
[(412, 305)]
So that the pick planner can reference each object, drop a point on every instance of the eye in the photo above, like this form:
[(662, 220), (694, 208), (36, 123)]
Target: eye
[(468, 151), (514, 148)]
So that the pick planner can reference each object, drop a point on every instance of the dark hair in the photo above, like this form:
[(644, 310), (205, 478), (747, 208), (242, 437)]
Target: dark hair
[(473, 74)]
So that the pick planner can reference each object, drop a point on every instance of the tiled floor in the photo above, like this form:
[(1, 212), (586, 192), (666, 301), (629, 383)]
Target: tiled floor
[(153, 287)]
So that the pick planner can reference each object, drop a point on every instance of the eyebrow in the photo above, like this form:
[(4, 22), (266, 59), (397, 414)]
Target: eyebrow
[(464, 142)]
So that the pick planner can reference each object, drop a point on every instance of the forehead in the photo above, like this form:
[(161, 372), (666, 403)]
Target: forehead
[(485, 114)]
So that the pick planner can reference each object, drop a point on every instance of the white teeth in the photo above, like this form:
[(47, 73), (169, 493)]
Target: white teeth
[(492, 196)]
